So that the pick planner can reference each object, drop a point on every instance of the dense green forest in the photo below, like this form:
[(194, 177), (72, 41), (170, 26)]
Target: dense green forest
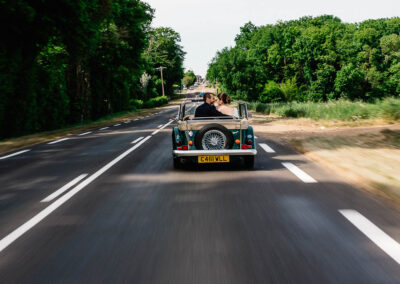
[(311, 59), (63, 62)]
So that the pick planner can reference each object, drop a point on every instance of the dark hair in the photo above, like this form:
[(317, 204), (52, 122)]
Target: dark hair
[(224, 98), (207, 96)]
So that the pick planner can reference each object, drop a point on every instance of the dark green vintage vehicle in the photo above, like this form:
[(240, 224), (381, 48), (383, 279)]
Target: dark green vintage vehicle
[(205, 140)]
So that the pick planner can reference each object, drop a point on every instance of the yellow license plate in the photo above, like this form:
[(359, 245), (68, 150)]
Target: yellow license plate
[(213, 159)]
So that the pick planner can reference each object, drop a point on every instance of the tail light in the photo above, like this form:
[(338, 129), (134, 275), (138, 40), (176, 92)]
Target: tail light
[(184, 147), (249, 142), (191, 143), (244, 146), (178, 143), (237, 141)]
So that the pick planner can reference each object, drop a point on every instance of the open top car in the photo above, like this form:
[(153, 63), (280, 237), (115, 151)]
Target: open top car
[(204, 140)]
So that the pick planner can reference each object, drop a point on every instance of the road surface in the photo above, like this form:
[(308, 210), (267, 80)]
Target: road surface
[(107, 206)]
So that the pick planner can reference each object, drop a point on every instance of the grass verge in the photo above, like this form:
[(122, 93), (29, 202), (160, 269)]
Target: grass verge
[(387, 109), (369, 160)]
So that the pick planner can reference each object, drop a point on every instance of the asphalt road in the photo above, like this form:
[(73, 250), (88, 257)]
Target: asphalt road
[(129, 217)]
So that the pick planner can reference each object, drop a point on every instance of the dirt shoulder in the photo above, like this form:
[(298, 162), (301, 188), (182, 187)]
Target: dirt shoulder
[(365, 153), (13, 144)]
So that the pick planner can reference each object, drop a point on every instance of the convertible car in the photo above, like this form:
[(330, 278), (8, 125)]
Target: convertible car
[(207, 140)]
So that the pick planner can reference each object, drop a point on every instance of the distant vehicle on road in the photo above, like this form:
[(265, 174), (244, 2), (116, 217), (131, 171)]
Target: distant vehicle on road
[(211, 140)]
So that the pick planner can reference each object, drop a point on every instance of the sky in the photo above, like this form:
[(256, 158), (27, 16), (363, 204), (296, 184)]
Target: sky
[(207, 26)]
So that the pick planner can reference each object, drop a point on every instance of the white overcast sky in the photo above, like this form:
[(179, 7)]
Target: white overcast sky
[(206, 26)]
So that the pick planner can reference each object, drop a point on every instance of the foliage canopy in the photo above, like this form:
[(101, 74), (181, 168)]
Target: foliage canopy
[(311, 59)]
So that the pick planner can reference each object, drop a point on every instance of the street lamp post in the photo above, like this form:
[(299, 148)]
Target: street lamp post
[(161, 68)]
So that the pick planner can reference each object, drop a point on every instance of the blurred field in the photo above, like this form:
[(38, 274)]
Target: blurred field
[(366, 154)]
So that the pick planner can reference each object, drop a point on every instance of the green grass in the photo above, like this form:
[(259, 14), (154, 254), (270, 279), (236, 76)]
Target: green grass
[(388, 109)]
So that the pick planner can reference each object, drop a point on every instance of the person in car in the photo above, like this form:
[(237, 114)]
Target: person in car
[(223, 101), (208, 109)]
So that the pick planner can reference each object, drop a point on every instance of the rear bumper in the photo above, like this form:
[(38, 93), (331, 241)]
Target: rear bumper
[(194, 153)]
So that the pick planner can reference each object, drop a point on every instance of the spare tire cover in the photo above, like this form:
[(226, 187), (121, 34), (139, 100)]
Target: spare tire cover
[(214, 137)]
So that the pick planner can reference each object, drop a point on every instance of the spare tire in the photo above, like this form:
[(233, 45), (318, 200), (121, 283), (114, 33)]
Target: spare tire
[(213, 137)]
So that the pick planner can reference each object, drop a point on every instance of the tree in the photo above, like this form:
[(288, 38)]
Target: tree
[(326, 58), (67, 61), (164, 49), (189, 78)]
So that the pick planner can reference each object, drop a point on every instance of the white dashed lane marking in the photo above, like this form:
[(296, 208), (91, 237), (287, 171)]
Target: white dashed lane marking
[(104, 128), (21, 230), (58, 141), (14, 154), (266, 148), (117, 124), (299, 173), (86, 133), (376, 235)]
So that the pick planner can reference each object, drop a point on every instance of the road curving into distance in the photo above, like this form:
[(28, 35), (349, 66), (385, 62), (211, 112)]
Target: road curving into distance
[(106, 206)]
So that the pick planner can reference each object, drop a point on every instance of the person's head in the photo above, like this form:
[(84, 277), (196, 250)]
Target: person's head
[(224, 99), (209, 98)]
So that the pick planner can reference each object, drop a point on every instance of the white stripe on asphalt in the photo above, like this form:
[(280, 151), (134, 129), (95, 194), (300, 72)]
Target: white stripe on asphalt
[(64, 188), (57, 141), (104, 128), (86, 133), (299, 173), (376, 235), (159, 126), (266, 148), (10, 238), (155, 132), (14, 154), (137, 140), (117, 124), (136, 119)]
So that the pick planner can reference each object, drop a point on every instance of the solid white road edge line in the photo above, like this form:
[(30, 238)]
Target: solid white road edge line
[(155, 132), (86, 133), (299, 173), (57, 141), (104, 128), (266, 148), (137, 140), (64, 188), (159, 126), (376, 235), (10, 238), (14, 154), (117, 124)]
